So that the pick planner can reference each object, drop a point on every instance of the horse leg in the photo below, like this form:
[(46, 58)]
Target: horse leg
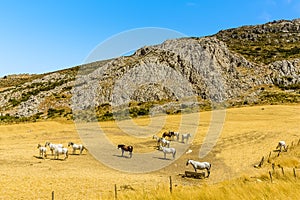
[(208, 172), (165, 155), (122, 152)]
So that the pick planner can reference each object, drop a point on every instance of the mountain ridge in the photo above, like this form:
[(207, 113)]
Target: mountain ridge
[(225, 68)]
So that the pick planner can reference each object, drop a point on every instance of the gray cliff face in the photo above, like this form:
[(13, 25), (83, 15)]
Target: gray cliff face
[(173, 70)]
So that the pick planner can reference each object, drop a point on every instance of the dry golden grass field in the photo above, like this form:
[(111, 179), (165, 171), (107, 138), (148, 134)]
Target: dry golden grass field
[(248, 134)]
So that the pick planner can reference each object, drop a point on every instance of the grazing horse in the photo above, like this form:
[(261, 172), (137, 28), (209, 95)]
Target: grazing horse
[(280, 145), (164, 142), (60, 150), (169, 134), (75, 147), (157, 139), (43, 151), (126, 148), (185, 137), (53, 146), (167, 150), (200, 165)]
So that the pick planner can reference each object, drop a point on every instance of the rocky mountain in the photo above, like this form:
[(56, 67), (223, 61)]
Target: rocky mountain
[(242, 66)]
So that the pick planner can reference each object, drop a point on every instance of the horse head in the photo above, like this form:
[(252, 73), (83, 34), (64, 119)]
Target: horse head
[(187, 162), (38, 146), (120, 145), (70, 143)]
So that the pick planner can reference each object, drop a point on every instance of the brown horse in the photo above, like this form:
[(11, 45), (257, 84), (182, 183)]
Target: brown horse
[(126, 148), (169, 134)]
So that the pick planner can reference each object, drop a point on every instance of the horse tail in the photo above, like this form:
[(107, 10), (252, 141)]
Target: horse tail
[(83, 147), (209, 165)]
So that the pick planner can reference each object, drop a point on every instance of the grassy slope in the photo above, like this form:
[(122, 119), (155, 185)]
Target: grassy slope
[(248, 134)]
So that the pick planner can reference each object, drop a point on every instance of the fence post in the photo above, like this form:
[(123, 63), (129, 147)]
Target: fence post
[(273, 167), (261, 161), (171, 184), (116, 192), (269, 156), (271, 178), (52, 195), (282, 170)]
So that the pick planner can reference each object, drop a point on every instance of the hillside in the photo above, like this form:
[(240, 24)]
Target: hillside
[(248, 65)]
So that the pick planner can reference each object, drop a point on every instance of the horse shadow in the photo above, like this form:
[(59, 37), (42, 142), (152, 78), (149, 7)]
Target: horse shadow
[(161, 158), (39, 157), (59, 159), (120, 156), (76, 154)]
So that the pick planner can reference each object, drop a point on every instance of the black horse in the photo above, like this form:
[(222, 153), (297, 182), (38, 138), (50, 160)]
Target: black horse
[(126, 148)]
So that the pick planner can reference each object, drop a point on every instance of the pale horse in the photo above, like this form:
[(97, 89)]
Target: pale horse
[(43, 151), (75, 147), (185, 137), (200, 165), (59, 150), (53, 146), (280, 145), (167, 150)]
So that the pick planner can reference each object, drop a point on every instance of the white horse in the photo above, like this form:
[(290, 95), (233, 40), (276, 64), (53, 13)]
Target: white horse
[(280, 145), (177, 135), (155, 137), (164, 142), (200, 165), (167, 150), (185, 137), (43, 151), (59, 150), (75, 147), (53, 146)]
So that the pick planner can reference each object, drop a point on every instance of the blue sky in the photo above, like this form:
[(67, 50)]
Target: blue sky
[(38, 36)]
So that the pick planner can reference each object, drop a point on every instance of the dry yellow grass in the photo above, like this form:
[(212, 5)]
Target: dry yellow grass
[(247, 135)]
